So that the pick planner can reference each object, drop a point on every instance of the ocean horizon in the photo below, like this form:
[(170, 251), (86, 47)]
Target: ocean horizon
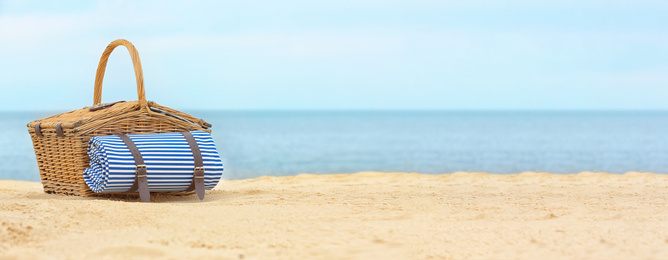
[(285, 143)]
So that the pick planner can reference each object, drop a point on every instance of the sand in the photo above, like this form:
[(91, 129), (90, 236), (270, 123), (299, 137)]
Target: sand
[(354, 216)]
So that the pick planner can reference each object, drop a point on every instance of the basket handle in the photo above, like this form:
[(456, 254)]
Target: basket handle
[(136, 62)]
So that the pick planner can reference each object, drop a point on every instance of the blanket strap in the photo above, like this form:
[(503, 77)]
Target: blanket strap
[(141, 183), (198, 173)]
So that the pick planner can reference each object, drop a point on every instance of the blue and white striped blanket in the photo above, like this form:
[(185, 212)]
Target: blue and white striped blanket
[(168, 159)]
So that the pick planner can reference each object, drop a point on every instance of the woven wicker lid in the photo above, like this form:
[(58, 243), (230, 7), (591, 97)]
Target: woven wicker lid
[(80, 117), (103, 112)]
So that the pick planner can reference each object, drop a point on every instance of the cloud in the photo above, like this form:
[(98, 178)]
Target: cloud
[(23, 31), (655, 77), (307, 44)]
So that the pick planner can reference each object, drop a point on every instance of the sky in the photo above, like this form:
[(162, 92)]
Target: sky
[(340, 55)]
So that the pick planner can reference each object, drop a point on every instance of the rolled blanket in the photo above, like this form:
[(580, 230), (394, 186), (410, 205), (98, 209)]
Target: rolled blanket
[(168, 159)]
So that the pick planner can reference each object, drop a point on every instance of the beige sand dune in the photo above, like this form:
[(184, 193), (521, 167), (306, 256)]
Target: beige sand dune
[(355, 216)]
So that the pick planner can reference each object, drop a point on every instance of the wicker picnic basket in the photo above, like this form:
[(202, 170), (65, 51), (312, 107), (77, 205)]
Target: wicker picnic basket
[(61, 140)]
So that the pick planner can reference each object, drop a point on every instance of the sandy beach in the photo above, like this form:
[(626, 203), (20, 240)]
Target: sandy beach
[(353, 216)]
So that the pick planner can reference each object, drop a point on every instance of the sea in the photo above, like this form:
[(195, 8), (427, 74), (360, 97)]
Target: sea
[(285, 143)]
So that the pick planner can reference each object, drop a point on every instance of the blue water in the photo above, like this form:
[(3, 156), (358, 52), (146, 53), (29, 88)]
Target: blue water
[(287, 143)]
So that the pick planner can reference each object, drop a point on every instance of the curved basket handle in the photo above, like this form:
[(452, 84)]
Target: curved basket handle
[(136, 62)]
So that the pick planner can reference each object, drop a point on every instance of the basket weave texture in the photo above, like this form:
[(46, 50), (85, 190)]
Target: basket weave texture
[(62, 141)]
